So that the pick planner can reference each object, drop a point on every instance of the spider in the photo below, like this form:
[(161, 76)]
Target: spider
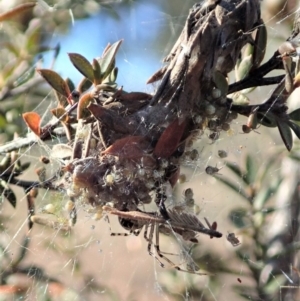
[(184, 224), (210, 170), (233, 239)]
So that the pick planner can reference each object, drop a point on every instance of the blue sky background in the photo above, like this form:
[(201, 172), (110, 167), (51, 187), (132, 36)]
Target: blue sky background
[(148, 35)]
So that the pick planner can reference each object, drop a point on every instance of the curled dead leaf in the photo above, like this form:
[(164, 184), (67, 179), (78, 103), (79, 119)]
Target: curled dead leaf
[(131, 147), (169, 139)]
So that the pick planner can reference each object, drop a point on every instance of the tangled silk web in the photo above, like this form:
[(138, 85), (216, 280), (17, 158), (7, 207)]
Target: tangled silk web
[(74, 254)]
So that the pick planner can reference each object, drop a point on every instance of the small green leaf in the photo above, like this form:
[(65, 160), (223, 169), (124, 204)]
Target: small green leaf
[(294, 156), (236, 170), (249, 296), (260, 45), (240, 99), (23, 251), (295, 115), (84, 85), (244, 67), (8, 193), (70, 84), (237, 188), (251, 170), (264, 195), (21, 168), (82, 65), (286, 134), (265, 169), (33, 35), (267, 119), (55, 81), (271, 287), (221, 82), (109, 87), (24, 77), (113, 75), (295, 127), (269, 210), (97, 72), (108, 60)]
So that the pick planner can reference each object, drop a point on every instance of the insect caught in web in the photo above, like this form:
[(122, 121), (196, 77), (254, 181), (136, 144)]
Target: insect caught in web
[(233, 239), (252, 122), (187, 225)]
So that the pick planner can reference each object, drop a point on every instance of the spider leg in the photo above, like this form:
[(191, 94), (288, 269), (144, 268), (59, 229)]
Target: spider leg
[(135, 232), (150, 241), (191, 268)]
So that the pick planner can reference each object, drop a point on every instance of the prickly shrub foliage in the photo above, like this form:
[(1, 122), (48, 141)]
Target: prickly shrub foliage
[(124, 150)]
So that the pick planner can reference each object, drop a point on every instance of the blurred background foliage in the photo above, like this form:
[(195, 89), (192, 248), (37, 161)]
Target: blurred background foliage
[(267, 214)]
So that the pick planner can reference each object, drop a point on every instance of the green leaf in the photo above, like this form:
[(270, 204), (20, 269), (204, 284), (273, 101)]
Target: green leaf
[(33, 35), (264, 169), (286, 134), (295, 115), (108, 60), (295, 127), (264, 195), (113, 75), (23, 167), (55, 81), (271, 287), (82, 65), (97, 72), (251, 170), (24, 77), (269, 210), (237, 188), (240, 99), (221, 82), (237, 171), (260, 45), (70, 84), (8, 193), (244, 67), (23, 251), (249, 296), (84, 85), (267, 119), (295, 156)]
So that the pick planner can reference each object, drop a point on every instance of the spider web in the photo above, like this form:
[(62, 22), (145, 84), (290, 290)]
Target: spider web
[(90, 263)]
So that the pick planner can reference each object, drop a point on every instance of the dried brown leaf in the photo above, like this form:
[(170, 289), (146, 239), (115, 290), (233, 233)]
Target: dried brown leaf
[(169, 139), (33, 121)]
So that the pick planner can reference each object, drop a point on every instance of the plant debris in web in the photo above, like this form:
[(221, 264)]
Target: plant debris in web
[(123, 150)]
